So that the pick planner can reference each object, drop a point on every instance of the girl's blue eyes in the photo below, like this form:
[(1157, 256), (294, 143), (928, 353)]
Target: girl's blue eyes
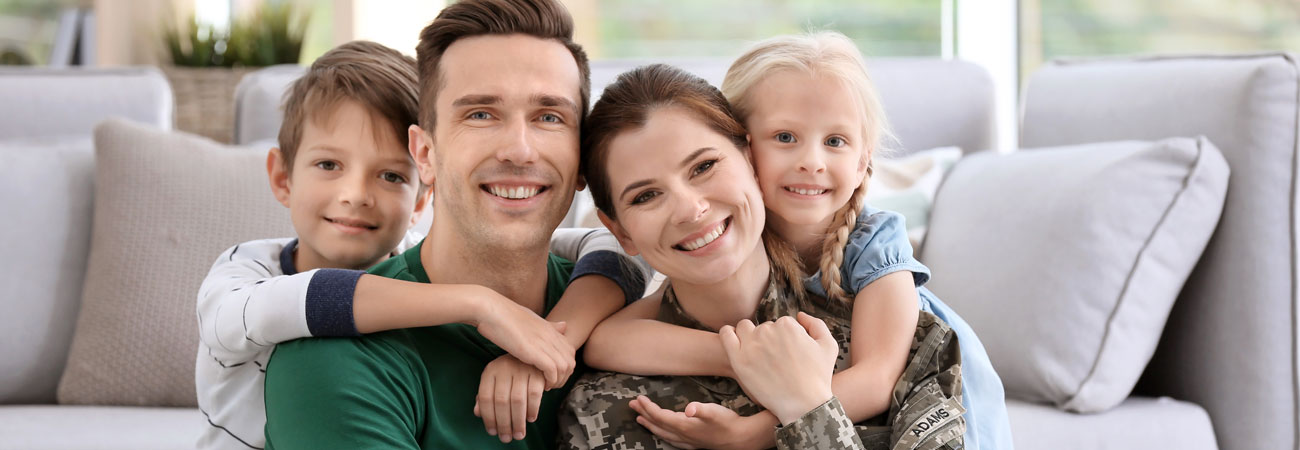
[(835, 142), (785, 138)]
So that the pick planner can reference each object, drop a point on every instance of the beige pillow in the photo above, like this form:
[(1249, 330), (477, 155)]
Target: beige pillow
[(166, 204), (1066, 261)]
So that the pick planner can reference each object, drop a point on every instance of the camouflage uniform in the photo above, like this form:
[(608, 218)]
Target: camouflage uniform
[(925, 410)]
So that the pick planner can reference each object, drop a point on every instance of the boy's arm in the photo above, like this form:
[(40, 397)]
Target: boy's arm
[(244, 308), (597, 251), (632, 341)]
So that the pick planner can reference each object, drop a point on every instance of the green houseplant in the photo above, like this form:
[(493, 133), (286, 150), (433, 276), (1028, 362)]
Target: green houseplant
[(207, 63)]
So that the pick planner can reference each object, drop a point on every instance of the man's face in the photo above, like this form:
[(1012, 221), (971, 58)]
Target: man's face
[(505, 142)]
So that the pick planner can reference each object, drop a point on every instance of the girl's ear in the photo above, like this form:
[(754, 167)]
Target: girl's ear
[(618, 231)]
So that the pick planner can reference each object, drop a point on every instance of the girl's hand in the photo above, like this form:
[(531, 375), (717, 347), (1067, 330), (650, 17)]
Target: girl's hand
[(785, 365), (703, 425), (526, 336), (509, 394)]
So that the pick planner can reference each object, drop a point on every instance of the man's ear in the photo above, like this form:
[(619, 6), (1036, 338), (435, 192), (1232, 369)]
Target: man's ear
[(619, 233), (278, 174), (420, 145), (422, 206), (582, 182)]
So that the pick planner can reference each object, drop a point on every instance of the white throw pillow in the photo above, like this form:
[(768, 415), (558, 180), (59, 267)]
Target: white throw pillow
[(166, 204), (46, 188), (1066, 261)]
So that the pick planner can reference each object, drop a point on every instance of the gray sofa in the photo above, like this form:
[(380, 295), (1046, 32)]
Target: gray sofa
[(1224, 375)]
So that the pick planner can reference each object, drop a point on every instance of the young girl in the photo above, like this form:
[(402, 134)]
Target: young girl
[(814, 123)]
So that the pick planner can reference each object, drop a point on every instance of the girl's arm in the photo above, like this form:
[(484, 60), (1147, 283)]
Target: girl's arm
[(884, 322), (632, 341)]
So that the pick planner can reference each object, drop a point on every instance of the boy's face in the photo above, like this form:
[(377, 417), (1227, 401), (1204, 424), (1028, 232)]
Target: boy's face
[(352, 191), (504, 151)]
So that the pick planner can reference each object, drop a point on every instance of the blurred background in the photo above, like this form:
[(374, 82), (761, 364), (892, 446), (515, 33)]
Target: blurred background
[(1011, 38)]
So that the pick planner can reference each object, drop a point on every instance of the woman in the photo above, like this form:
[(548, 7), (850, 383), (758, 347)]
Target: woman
[(668, 167)]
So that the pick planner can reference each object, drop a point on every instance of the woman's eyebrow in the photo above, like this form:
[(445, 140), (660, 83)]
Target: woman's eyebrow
[(685, 162)]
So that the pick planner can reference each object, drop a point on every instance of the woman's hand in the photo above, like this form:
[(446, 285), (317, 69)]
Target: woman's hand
[(703, 425), (526, 336), (509, 394), (785, 365)]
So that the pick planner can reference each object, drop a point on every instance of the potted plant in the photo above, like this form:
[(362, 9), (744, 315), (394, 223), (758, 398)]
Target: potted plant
[(207, 63)]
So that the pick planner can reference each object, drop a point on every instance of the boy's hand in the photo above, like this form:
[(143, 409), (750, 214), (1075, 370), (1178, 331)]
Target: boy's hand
[(703, 425), (509, 395), (785, 365), (531, 339)]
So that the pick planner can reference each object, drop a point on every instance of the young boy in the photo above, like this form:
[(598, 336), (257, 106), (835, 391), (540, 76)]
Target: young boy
[(343, 170)]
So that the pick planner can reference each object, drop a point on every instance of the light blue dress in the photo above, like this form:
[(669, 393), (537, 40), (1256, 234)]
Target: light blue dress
[(877, 247)]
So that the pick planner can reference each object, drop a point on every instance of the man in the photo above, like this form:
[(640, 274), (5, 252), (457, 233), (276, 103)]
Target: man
[(503, 91)]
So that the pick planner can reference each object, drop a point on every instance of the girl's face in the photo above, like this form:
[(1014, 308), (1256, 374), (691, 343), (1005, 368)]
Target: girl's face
[(685, 198), (809, 148)]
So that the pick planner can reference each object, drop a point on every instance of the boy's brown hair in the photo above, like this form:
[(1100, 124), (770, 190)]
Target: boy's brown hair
[(543, 19), (379, 78)]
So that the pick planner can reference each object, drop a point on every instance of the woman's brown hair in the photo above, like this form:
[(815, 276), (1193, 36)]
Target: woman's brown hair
[(626, 106)]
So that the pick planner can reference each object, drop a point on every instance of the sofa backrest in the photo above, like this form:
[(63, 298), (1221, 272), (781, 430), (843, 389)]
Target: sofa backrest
[(1231, 341), (42, 102), (930, 102)]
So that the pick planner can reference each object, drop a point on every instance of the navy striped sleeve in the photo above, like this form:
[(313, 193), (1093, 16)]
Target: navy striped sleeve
[(329, 303), (610, 265)]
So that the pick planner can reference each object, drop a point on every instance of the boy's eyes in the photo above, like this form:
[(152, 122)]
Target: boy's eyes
[(393, 177), (785, 137), (327, 165)]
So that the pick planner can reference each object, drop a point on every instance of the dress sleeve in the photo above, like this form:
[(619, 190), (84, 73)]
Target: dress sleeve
[(825, 427), (877, 247), (342, 394)]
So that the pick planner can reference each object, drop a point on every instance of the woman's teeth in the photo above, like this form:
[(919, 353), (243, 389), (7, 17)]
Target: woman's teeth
[(513, 193), (706, 239), (806, 191)]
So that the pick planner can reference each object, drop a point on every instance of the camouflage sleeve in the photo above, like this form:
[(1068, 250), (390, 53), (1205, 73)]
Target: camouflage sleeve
[(825, 427)]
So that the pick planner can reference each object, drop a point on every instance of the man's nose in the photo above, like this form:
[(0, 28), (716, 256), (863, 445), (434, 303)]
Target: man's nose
[(516, 146)]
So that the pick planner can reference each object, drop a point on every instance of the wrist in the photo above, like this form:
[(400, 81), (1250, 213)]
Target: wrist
[(798, 405), (480, 307)]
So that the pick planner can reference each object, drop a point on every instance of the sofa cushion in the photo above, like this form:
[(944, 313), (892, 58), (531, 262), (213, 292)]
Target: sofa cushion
[(165, 205), (1138, 423), (1231, 341), (44, 102), (98, 428), (46, 186), (1066, 261)]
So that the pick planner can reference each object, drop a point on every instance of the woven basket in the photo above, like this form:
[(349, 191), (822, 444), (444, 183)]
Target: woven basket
[(205, 99)]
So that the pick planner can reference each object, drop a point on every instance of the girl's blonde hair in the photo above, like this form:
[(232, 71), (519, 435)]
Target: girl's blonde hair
[(833, 55)]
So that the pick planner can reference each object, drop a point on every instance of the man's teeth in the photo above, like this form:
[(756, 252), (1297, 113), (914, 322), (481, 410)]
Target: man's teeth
[(514, 193), (706, 239), (805, 191)]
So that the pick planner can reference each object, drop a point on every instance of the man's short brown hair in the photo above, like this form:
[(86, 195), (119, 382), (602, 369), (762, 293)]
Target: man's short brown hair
[(543, 19), (379, 78)]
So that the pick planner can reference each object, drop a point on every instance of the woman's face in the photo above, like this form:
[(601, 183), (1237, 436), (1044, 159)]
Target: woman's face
[(685, 197)]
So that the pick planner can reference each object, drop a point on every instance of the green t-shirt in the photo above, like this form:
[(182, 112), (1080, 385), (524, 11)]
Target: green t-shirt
[(400, 389)]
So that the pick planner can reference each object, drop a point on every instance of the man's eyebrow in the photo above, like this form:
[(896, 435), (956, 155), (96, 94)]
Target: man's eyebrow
[(476, 100), (555, 101), (685, 162)]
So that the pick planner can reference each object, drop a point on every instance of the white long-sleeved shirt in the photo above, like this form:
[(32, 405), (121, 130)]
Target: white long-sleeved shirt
[(254, 298)]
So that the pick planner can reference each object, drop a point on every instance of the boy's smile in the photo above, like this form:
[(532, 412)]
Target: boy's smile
[(351, 192)]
